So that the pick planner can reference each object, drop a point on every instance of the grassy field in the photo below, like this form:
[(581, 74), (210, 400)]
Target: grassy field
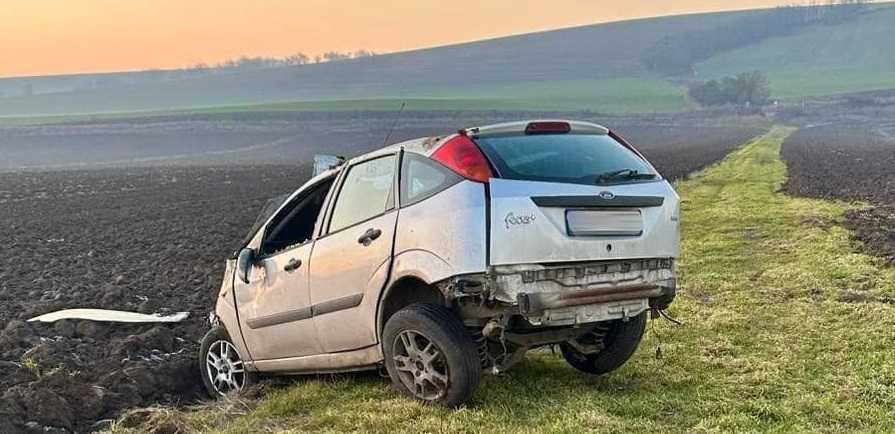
[(610, 96), (819, 60), (786, 328)]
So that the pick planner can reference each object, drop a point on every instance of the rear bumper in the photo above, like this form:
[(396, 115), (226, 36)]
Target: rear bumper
[(538, 302), (569, 294), (590, 306)]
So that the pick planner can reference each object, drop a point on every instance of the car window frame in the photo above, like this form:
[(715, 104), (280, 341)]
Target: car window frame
[(326, 231), (297, 196)]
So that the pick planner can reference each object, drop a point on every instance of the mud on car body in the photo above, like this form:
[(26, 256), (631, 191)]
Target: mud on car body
[(445, 257)]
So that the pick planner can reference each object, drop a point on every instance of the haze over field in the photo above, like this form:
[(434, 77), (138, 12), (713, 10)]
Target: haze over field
[(62, 37), (610, 68)]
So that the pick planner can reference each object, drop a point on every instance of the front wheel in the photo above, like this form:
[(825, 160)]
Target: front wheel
[(607, 347), (222, 370), (430, 356)]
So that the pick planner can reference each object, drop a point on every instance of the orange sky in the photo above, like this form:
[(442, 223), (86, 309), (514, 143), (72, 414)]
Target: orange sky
[(65, 36)]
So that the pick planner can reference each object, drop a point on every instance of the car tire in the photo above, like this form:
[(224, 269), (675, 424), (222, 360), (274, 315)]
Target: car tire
[(430, 356), (619, 341), (220, 365)]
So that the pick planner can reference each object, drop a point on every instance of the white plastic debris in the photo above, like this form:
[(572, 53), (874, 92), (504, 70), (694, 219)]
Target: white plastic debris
[(109, 316)]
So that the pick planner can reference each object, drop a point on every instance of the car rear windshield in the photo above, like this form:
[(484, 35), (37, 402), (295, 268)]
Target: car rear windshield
[(569, 158)]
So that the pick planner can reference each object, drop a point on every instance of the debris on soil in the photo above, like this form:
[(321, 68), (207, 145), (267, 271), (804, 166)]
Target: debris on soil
[(108, 315), (162, 248)]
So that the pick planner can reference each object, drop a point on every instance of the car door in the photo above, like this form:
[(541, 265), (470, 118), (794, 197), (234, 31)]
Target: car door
[(351, 260), (274, 307)]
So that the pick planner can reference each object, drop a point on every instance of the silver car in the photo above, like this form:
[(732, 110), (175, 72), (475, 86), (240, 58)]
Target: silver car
[(444, 257)]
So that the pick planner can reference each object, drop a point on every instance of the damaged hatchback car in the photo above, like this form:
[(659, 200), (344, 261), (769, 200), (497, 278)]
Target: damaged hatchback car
[(441, 258)]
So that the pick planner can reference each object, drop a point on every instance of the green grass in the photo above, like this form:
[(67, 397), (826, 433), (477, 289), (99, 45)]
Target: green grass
[(769, 342), (819, 60), (615, 95), (611, 96)]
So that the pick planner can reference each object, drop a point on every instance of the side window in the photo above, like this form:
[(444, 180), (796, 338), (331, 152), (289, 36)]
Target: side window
[(366, 192), (294, 224), (422, 178)]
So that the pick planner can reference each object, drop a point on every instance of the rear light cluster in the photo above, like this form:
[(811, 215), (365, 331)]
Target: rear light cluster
[(460, 154)]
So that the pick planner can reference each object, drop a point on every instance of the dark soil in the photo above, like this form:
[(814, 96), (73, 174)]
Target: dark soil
[(294, 137), (875, 227), (853, 161), (147, 240), (678, 150), (154, 239)]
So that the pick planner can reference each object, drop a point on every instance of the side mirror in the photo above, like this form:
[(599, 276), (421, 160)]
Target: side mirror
[(322, 163), (244, 263)]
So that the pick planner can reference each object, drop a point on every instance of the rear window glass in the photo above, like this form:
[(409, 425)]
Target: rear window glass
[(421, 178), (570, 158)]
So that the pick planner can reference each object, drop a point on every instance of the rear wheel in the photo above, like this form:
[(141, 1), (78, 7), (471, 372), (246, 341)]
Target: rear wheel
[(221, 367), (430, 356), (607, 347)]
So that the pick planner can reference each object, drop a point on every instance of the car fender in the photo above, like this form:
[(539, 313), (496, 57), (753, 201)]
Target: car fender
[(421, 264), (412, 263), (225, 311)]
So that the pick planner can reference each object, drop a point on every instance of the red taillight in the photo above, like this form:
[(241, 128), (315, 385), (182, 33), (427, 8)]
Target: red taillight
[(460, 154), (548, 128)]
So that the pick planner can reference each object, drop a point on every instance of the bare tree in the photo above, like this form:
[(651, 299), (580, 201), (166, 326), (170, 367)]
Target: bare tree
[(297, 59), (332, 56)]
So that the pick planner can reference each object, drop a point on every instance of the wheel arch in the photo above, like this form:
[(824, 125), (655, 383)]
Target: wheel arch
[(401, 293)]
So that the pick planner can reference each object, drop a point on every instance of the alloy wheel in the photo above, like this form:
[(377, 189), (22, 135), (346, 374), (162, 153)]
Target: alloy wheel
[(225, 369), (421, 365)]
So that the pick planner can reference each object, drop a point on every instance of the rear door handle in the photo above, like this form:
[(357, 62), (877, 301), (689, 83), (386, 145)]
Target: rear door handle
[(369, 236), (292, 265)]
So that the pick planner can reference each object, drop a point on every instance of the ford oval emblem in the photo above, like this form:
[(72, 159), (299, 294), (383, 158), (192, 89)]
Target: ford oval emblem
[(607, 195)]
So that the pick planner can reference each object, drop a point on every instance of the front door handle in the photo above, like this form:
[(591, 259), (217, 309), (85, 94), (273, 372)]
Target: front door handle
[(369, 236), (292, 265)]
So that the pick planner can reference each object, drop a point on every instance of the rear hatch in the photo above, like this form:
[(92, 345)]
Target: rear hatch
[(573, 196)]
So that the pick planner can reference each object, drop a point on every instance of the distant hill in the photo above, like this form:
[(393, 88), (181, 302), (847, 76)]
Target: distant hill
[(598, 67), (854, 56)]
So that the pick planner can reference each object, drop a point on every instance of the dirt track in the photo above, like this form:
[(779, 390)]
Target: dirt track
[(153, 239)]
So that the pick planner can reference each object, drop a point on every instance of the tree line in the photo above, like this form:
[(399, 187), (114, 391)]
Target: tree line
[(258, 62), (244, 63), (746, 89), (239, 64)]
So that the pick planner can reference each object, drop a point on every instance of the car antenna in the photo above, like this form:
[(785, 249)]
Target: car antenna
[(394, 123)]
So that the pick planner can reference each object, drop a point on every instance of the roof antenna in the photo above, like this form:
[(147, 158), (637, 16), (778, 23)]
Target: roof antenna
[(394, 124)]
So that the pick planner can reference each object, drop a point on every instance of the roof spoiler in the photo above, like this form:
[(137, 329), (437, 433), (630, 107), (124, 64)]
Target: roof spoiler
[(535, 127)]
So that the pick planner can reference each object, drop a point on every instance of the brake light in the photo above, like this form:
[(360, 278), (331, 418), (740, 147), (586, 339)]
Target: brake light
[(462, 155), (548, 128)]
